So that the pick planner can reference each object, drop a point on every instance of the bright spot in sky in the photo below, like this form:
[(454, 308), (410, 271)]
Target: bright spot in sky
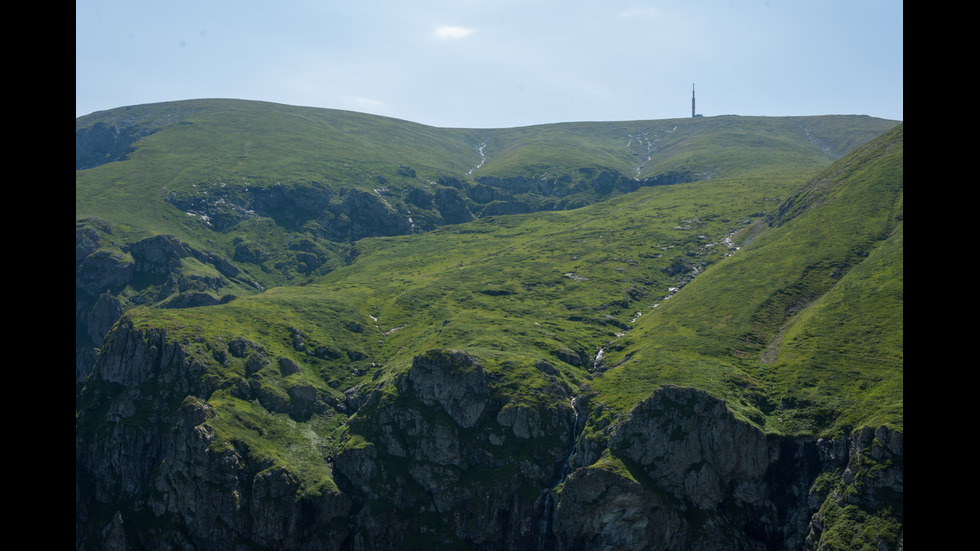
[(448, 33)]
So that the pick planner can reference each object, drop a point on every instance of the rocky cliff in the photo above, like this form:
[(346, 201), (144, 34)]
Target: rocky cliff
[(444, 456), (682, 473)]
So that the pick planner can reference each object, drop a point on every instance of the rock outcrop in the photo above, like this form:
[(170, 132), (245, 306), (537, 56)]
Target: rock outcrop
[(454, 462), (150, 267), (218, 495), (104, 143), (681, 472), (446, 456)]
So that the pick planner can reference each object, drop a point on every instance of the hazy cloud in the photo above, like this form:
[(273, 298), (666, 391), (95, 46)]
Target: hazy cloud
[(452, 33)]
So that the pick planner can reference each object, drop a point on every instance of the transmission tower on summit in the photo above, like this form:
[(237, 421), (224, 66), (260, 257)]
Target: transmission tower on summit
[(693, 112), (692, 100)]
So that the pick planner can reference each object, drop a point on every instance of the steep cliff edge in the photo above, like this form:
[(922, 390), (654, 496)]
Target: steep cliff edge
[(681, 472), (156, 467), (444, 456)]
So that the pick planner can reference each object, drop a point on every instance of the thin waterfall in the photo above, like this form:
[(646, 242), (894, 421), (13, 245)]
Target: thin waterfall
[(544, 525)]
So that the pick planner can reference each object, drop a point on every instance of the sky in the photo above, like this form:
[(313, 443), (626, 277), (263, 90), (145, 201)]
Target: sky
[(498, 63)]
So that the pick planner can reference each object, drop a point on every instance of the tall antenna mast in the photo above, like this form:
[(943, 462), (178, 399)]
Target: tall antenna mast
[(692, 99)]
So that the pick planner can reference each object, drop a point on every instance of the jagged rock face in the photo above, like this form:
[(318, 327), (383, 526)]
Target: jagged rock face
[(452, 206), (700, 479), (692, 459), (868, 479), (369, 216), (219, 496), (451, 450), (452, 379), (120, 461), (102, 143), (677, 429), (603, 510), (104, 268), (146, 445), (444, 457)]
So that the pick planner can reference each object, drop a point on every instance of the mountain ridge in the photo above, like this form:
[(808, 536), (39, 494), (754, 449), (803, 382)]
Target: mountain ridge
[(573, 378), (213, 186)]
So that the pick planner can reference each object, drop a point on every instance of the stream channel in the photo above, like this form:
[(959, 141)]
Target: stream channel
[(544, 525)]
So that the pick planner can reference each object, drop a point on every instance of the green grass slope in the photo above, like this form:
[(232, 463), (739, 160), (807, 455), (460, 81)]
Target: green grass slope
[(555, 285), (272, 190), (193, 148), (700, 148), (202, 147), (513, 290), (801, 330)]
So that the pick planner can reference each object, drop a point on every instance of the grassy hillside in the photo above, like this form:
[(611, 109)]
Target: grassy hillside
[(193, 147), (729, 146), (799, 330), (804, 325), (281, 192), (552, 285), (302, 260), (202, 148), (558, 284)]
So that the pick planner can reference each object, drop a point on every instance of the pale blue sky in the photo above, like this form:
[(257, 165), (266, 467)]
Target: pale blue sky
[(498, 63)]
